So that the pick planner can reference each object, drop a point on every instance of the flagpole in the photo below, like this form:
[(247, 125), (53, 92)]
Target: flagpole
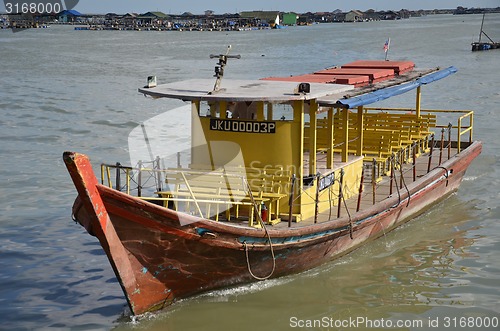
[(386, 47)]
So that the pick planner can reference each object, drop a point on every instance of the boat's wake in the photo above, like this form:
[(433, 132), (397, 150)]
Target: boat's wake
[(470, 178), (230, 294)]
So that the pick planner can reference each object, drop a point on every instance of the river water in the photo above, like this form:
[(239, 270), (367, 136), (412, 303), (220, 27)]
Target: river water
[(77, 90)]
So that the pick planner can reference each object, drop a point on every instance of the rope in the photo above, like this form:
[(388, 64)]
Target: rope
[(349, 214), (250, 268), (259, 218), (396, 183), (446, 174), (404, 183)]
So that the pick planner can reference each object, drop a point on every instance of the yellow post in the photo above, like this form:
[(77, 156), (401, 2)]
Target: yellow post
[(260, 110), (417, 105), (195, 127), (360, 131), (331, 142), (269, 111), (222, 109), (298, 117), (459, 139), (213, 110), (345, 135), (471, 123), (109, 176), (313, 134), (195, 108), (102, 174)]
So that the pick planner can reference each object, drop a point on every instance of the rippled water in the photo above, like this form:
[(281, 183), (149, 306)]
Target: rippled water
[(77, 90)]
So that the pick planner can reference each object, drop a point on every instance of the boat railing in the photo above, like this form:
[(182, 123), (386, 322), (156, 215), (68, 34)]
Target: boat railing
[(146, 176), (204, 192)]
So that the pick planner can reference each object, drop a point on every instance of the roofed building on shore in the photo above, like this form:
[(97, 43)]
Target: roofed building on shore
[(263, 18), (290, 18), (354, 16), (129, 18), (67, 16), (153, 17), (371, 15), (389, 15)]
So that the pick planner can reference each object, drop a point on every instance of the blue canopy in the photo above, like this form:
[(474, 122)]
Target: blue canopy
[(386, 93)]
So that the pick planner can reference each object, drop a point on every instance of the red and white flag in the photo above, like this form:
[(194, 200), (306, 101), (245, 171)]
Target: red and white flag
[(387, 45)]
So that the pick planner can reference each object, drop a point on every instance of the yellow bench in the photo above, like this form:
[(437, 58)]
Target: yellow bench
[(211, 189)]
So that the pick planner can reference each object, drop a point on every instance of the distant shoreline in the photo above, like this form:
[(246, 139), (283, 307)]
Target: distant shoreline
[(242, 21)]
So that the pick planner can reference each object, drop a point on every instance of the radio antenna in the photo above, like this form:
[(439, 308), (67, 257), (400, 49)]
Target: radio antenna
[(219, 68)]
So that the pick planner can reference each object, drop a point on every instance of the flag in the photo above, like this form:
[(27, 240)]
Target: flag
[(387, 45)]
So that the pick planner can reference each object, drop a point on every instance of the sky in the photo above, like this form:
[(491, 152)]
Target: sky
[(300, 6)]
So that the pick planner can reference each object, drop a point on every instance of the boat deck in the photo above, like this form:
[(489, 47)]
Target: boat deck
[(382, 188), (381, 184), (377, 185)]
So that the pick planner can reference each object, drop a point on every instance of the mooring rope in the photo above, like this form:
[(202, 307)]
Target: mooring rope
[(404, 183), (259, 218), (395, 182), (446, 174), (348, 213)]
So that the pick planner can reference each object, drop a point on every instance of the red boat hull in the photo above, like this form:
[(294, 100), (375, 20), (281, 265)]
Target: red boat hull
[(160, 256)]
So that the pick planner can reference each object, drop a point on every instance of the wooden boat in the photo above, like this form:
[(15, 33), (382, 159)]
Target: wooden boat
[(482, 45), (308, 175)]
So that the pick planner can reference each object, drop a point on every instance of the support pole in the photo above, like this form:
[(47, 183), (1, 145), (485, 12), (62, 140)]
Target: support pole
[(139, 179), (316, 207), (290, 201), (414, 161), (392, 175), (158, 174), (401, 174), (374, 183), (441, 147), (345, 134), (329, 156), (118, 184), (360, 188), (417, 102), (341, 183), (430, 154), (260, 111), (449, 140), (269, 111), (313, 134), (359, 147)]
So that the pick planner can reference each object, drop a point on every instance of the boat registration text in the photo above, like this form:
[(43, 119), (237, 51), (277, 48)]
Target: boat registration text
[(242, 126)]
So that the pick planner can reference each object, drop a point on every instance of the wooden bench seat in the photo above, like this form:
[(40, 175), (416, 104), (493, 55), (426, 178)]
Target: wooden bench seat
[(397, 134), (416, 130)]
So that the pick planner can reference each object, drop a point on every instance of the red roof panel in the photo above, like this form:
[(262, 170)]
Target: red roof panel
[(399, 67), (376, 75), (307, 78), (356, 80)]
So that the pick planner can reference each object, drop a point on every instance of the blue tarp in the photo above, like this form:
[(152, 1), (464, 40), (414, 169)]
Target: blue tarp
[(386, 93), (71, 12)]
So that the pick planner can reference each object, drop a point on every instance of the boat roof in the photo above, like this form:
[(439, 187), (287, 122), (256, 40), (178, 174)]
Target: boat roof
[(322, 89), (232, 90)]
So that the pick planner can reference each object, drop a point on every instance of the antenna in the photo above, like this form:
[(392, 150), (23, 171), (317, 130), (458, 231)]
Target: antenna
[(219, 68)]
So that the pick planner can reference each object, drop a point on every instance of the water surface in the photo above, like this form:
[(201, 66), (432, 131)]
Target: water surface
[(77, 90)]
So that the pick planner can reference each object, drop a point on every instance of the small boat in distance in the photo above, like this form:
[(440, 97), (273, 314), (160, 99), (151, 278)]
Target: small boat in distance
[(281, 175), (484, 46)]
